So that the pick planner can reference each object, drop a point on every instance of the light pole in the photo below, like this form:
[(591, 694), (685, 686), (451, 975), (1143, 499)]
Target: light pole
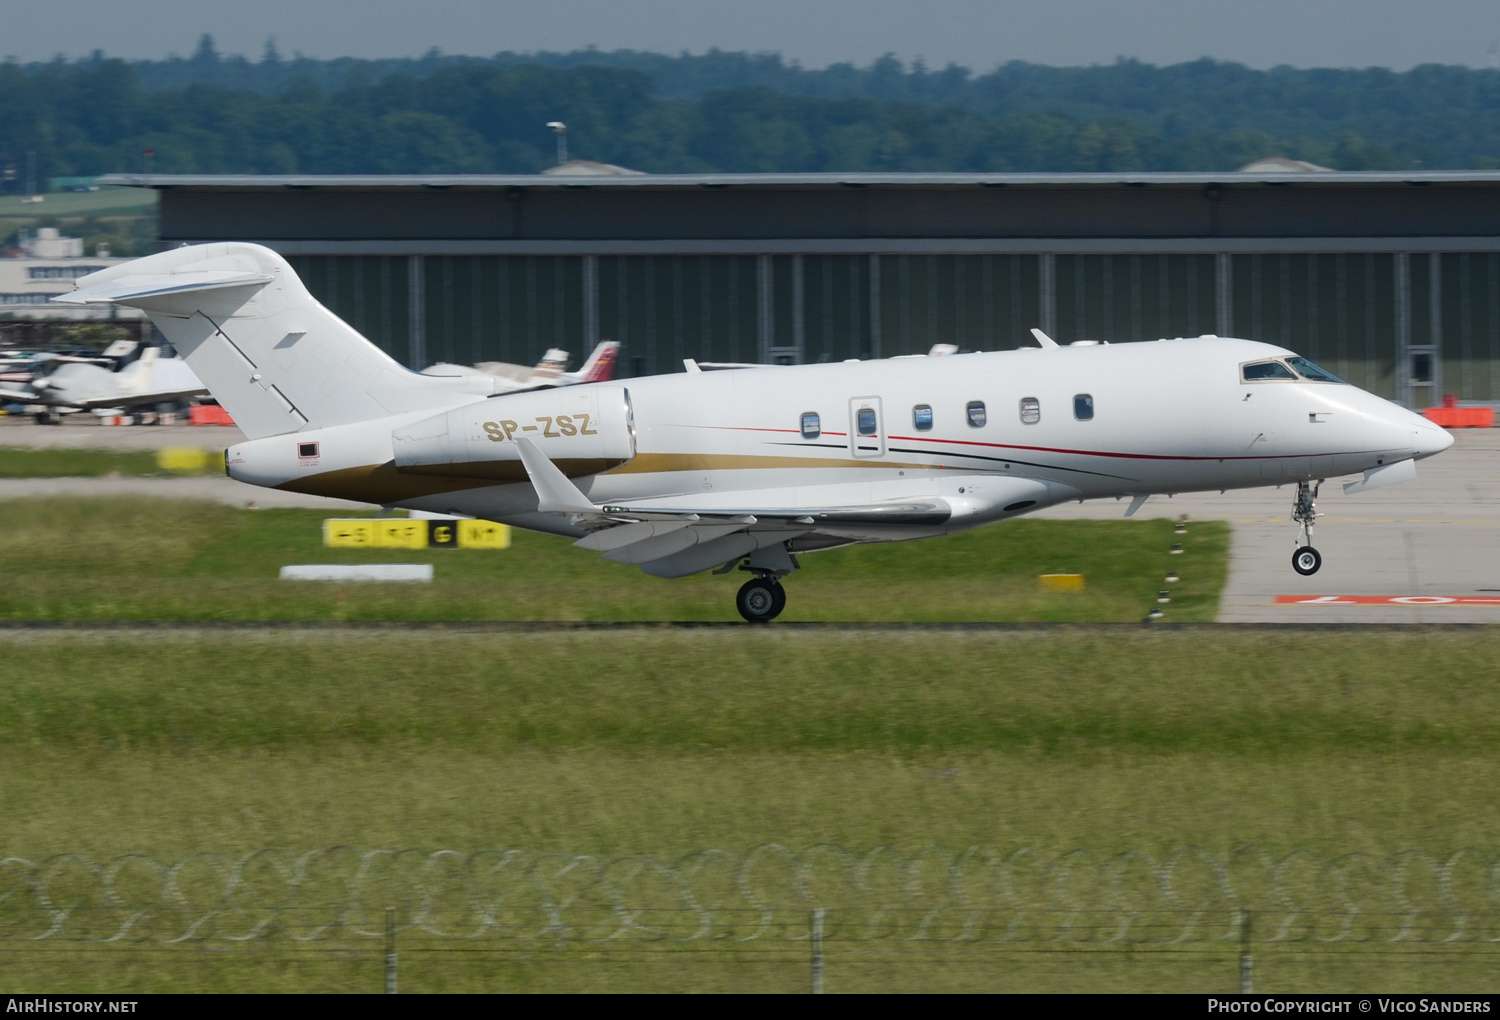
[(560, 129)]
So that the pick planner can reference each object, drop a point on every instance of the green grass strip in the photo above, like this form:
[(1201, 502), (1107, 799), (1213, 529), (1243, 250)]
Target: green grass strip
[(144, 559)]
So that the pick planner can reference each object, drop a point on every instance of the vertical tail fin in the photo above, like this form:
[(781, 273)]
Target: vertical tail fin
[(266, 349), (601, 364)]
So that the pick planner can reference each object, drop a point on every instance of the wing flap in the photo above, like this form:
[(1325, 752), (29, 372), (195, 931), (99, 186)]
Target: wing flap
[(608, 539), (674, 542)]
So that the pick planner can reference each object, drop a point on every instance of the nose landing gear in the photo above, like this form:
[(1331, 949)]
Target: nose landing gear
[(1306, 560)]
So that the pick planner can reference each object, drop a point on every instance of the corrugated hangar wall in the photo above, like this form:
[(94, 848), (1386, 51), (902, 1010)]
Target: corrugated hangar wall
[(1388, 296)]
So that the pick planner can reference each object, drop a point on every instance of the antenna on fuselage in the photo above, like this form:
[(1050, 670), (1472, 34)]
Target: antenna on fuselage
[(1043, 338)]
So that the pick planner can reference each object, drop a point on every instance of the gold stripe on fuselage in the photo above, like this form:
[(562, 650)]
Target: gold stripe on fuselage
[(378, 483), (383, 483), (653, 463)]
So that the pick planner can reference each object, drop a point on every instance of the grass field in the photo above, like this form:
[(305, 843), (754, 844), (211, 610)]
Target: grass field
[(662, 742), (68, 463), (121, 559), (104, 202)]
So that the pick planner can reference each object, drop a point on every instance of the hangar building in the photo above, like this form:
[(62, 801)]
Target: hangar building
[(1391, 280)]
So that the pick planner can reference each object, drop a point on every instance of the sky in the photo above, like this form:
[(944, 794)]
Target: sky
[(978, 34)]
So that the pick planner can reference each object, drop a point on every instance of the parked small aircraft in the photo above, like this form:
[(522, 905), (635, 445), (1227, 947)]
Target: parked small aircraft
[(550, 371), (752, 468), (112, 380)]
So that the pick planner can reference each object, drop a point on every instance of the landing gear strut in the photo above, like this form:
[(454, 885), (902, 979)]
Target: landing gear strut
[(1306, 560), (761, 599)]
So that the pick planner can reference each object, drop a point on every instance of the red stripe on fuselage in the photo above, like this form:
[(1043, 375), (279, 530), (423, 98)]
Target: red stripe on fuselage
[(1047, 449)]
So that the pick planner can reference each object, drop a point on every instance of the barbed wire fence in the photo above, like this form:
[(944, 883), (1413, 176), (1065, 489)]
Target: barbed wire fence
[(767, 896)]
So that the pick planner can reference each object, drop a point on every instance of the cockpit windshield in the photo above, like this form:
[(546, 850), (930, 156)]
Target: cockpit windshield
[(1308, 370), (1259, 371)]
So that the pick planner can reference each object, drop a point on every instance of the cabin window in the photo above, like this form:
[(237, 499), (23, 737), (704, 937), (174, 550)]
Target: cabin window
[(1260, 371), (1031, 410), (1083, 407), (812, 425), (1308, 370), (307, 451), (864, 419), (975, 413), (921, 417)]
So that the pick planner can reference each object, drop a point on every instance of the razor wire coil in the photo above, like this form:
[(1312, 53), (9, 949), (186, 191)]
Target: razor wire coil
[(1189, 896)]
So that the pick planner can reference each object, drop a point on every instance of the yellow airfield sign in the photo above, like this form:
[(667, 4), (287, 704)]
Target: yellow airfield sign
[(416, 533)]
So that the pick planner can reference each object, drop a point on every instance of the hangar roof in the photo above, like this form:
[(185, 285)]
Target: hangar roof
[(833, 213), (241, 182)]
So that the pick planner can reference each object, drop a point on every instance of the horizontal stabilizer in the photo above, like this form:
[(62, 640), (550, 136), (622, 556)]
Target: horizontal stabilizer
[(125, 290)]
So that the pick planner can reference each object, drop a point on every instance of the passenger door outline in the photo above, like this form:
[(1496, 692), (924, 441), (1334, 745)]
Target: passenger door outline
[(870, 445)]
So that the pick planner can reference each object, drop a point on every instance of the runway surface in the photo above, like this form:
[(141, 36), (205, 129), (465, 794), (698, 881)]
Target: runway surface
[(1434, 538), (83, 432), (22, 631)]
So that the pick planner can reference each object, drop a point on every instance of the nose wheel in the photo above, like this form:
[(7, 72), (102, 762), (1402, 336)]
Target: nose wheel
[(761, 599), (1306, 560)]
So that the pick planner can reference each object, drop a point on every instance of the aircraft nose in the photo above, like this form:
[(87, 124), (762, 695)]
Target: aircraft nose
[(1429, 439)]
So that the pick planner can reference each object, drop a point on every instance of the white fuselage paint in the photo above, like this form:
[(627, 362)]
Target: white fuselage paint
[(1169, 416)]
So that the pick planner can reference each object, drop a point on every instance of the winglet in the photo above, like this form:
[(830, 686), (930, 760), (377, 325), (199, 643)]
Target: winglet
[(1043, 338), (1136, 503), (554, 493)]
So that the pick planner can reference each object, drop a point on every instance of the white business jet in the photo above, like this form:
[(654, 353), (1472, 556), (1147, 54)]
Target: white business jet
[(716, 470), (550, 371), (111, 381)]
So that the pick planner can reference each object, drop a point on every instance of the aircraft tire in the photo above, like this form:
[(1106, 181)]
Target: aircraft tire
[(758, 600), (1306, 561)]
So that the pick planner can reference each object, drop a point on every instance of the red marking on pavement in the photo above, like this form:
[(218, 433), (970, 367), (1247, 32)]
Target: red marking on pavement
[(1386, 600)]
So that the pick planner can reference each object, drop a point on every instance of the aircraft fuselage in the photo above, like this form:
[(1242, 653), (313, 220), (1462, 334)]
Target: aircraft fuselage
[(990, 435)]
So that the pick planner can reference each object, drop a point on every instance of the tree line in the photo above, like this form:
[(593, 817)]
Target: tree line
[(731, 112)]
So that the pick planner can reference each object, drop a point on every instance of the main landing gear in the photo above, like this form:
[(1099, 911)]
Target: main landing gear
[(761, 599), (1306, 560)]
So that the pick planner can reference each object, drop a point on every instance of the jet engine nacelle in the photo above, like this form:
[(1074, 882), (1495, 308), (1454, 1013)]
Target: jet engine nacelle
[(581, 429)]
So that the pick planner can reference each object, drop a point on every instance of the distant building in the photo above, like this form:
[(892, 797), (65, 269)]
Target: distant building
[(588, 168), (1282, 165), (1388, 279), (50, 244), (47, 265)]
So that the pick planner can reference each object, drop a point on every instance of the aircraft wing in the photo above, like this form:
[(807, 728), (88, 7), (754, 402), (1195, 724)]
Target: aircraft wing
[(557, 494), (136, 399), (20, 397), (670, 540), (74, 359)]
